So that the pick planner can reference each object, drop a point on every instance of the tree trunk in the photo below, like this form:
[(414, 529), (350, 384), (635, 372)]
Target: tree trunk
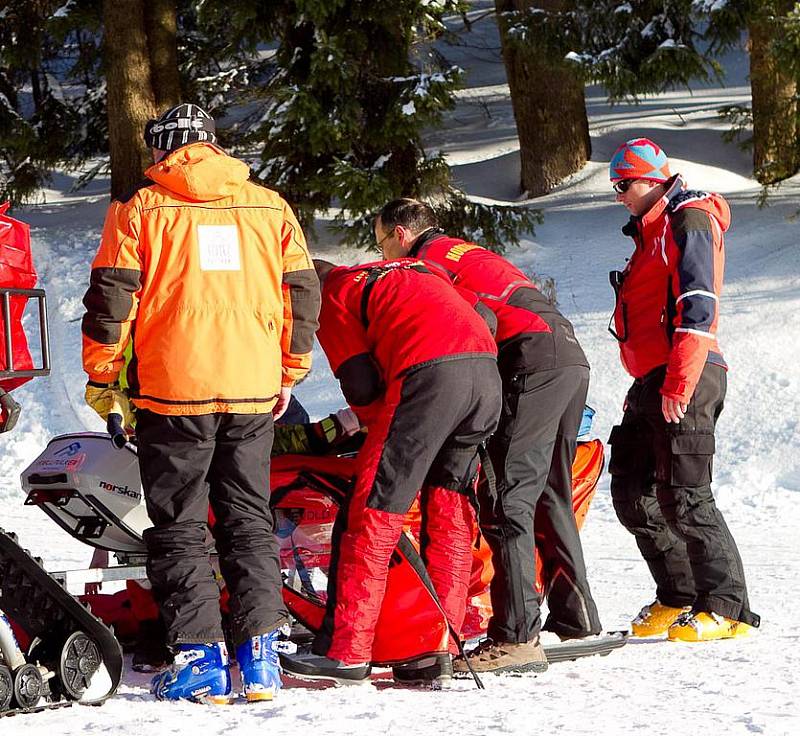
[(776, 151), (130, 98), (549, 107), (162, 40), (382, 63)]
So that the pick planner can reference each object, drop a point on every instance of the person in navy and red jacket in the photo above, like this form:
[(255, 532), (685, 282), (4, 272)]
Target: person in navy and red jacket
[(417, 363), (665, 320), (545, 378)]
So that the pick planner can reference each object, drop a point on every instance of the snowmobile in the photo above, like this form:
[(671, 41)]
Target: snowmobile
[(53, 651), (88, 484)]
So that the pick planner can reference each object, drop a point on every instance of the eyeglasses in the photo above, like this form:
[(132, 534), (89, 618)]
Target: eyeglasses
[(385, 238), (623, 186)]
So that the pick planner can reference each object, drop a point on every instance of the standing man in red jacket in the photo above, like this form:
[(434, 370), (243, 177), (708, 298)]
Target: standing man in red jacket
[(417, 364), (545, 378), (665, 319)]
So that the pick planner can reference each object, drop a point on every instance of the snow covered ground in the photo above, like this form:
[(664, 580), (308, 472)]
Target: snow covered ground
[(734, 687)]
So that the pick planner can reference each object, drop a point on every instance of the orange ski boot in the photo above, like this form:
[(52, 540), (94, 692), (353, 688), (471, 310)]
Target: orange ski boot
[(702, 626), (655, 619)]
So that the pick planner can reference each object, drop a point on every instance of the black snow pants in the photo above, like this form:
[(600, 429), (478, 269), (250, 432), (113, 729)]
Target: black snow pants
[(661, 488), (532, 454), (187, 462)]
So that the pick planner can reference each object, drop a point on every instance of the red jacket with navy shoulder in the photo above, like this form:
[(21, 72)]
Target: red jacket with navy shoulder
[(531, 333), (668, 295), (379, 320)]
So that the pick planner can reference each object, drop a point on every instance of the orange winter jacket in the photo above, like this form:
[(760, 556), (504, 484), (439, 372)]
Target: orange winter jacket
[(668, 295), (209, 276)]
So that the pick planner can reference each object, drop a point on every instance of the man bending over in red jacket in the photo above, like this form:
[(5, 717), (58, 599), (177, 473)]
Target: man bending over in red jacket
[(417, 363)]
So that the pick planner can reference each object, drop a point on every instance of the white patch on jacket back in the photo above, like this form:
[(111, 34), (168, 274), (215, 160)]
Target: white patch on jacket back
[(219, 247)]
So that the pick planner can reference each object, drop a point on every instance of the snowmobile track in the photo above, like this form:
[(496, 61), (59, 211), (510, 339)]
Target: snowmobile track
[(51, 617)]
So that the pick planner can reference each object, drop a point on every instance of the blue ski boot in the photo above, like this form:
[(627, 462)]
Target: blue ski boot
[(199, 673), (259, 665)]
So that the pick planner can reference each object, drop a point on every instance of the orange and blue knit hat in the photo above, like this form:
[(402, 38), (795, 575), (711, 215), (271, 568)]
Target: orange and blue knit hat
[(639, 158)]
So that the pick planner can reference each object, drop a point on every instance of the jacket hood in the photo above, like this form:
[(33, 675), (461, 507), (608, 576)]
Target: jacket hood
[(200, 172), (677, 197), (709, 202)]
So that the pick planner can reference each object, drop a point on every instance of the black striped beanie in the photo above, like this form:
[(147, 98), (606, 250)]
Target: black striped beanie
[(183, 124)]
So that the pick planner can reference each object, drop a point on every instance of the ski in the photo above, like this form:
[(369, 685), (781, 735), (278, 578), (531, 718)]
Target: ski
[(602, 644), (72, 657)]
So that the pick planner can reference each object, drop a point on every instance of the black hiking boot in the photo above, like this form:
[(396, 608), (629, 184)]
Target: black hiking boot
[(309, 666), (435, 672)]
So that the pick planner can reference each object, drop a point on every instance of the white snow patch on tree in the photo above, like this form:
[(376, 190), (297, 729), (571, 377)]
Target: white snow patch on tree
[(709, 6), (63, 11)]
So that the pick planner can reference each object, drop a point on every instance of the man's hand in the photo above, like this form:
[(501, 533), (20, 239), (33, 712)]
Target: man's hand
[(109, 398), (283, 403), (673, 410)]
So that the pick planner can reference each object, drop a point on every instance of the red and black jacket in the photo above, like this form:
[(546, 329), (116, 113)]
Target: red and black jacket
[(379, 320), (531, 333), (668, 295)]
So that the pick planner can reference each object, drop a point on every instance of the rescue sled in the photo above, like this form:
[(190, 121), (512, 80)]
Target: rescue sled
[(92, 490)]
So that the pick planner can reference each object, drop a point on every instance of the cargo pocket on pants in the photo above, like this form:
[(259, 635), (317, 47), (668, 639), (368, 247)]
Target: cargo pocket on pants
[(691, 458), (625, 443)]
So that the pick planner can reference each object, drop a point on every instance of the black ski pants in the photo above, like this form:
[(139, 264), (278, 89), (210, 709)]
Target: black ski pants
[(532, 454), (661, 488), (187, 462)]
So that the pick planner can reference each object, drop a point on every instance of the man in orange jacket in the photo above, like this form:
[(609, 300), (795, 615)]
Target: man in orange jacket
[(207, 274), (666, 321)]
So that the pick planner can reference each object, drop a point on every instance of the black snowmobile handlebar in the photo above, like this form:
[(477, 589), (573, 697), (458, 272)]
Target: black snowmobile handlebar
[(119, 437)]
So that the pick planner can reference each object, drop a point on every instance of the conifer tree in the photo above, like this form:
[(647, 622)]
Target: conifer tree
[(774, 30), (131, 100), (39, 126), (342, 115), (636, 47), (547, 94), (553, 48)]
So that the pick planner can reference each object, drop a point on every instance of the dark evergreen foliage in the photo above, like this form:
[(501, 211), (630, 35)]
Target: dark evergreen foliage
[(635, 47), (340, 113), (51, 102), (327, 98)]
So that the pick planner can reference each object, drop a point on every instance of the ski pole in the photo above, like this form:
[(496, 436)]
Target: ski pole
[(119, 438)]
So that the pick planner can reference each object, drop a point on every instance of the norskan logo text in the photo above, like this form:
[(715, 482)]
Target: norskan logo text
[(121, 490)]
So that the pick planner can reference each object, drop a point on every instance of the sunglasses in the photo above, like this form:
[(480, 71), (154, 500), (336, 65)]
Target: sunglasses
[(623, 186)]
